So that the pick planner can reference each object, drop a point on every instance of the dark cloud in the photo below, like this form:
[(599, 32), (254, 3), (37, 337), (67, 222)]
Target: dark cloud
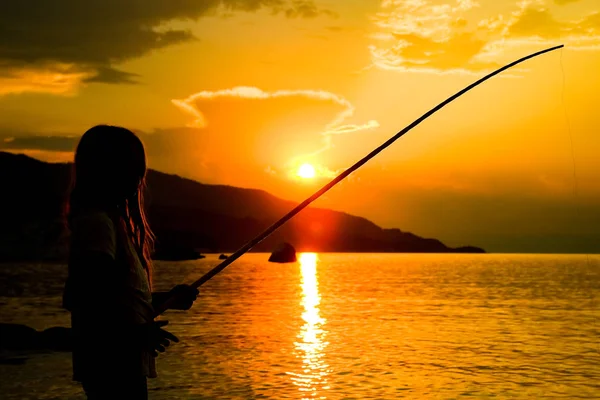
[(33, 142), (95, 34), (112, 75), (302, 8)]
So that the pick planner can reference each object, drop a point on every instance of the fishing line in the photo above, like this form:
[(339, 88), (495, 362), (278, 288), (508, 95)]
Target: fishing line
[(568, 122), (570, 133), (569, 130)]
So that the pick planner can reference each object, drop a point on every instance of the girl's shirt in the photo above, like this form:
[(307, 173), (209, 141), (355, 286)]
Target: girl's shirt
[(106, 299)]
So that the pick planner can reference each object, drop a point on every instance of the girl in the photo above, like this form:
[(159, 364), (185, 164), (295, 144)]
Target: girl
[(108, 289)]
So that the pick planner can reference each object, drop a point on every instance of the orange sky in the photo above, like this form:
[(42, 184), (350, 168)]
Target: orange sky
[(244, 93)]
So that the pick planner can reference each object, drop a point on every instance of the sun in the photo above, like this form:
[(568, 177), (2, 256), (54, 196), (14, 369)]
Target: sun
[(306, 171)]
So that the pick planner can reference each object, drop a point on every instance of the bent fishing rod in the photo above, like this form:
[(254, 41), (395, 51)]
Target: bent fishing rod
[(248, 246)]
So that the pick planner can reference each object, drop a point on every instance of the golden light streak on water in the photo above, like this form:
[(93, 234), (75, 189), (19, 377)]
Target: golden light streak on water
[(310, 346)]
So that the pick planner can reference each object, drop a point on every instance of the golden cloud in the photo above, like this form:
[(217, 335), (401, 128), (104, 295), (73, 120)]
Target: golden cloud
[(57, 79), (450, 37), (292, 124)]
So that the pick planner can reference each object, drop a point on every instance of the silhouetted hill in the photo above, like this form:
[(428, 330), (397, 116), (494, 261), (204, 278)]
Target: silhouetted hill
[(185, 215)]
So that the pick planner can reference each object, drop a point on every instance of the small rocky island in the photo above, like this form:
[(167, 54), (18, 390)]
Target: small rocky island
[(284, 253)]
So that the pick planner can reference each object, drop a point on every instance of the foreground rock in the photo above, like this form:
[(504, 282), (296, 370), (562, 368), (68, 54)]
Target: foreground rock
[(18, 337), (22, 337), (57, 338), (284, 253)]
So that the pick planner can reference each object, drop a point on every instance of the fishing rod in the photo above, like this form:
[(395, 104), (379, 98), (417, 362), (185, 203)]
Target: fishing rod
[(245, 248)]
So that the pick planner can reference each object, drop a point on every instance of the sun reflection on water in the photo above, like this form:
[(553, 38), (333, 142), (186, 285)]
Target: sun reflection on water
[(312, 380)]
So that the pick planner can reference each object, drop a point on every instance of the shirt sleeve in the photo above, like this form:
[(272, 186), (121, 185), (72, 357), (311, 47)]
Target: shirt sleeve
[(94, 233)]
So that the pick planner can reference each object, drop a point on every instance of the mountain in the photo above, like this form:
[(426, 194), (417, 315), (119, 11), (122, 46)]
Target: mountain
[(185, 215)]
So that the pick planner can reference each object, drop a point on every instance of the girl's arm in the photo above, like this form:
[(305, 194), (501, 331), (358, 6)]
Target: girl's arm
[(185, 297), (96, 282), (93, 295), (95, 288)]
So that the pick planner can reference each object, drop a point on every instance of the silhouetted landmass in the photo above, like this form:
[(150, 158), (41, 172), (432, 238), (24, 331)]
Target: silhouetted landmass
[(187, 217)]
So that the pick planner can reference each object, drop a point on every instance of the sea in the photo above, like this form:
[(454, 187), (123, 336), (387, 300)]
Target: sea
[(348, 326)]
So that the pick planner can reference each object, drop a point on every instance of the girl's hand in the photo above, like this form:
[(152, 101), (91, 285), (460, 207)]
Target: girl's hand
[(183, 297), (155, 339)]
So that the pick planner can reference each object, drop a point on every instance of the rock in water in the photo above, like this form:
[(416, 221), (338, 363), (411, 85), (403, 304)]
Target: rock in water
[(18, 337), (21, 337), (222, 257), (284, 253), (57, 338)]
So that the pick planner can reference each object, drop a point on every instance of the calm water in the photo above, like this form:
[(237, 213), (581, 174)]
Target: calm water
[(348, 326)]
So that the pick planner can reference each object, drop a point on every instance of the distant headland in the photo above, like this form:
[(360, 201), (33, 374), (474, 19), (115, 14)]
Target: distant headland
[(188, 217)]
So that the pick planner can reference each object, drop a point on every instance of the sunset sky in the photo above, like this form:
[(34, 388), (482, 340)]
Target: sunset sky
[(244, 92)]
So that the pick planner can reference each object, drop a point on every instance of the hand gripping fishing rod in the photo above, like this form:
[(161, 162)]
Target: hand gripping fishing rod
[(245, 248)]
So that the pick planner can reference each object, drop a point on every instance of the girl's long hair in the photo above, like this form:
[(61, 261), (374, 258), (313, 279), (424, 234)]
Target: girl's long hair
[(109, 175)]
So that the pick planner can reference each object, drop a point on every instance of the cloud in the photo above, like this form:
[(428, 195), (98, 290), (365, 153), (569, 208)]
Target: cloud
[(57, 79), (93, 36), (334, 127), (28, 141), (449, 37), (302, 8), (295, 125), (57, 147), (253, 93), (352, 128), (111, 75), (533, 26)]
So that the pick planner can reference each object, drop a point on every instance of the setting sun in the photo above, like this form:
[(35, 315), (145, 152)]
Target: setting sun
[(306, 171)]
